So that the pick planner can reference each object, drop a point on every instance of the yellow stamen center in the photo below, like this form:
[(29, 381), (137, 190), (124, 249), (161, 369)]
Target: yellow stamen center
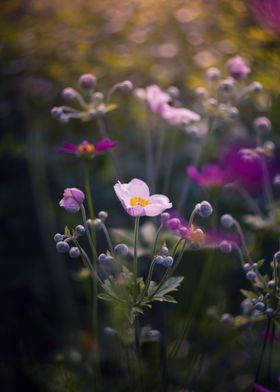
[(86, 148), (139, 201)]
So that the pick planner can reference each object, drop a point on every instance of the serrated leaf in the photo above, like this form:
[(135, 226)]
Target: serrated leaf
[(171, 284)]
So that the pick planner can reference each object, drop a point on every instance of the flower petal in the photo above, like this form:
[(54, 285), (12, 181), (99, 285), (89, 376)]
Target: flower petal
[(105, 144), (68, 148)]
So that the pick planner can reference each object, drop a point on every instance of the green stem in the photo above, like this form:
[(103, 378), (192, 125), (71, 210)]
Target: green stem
[(243, 242), (156, 239), (135, 257), (148, 281)]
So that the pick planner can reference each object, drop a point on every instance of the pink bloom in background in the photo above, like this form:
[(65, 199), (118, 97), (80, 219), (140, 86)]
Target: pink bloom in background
[(267, 12), (72, 199), (211, 175), (136, 200), (260, 388), (86, 148), (237, 68), (158, 102)]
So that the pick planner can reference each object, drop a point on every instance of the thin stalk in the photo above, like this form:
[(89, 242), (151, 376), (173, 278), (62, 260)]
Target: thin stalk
[(148, 281), (156, 239), (262, 351), (195, 304), (104, 134), (108, 238), (265, 174), (135, 257), (150, 169), (169, 163), (243, 242)]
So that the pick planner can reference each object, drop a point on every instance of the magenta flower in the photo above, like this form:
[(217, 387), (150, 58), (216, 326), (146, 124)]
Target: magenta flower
[(85, 149), (237, 68), (267, 12), (211, 175), (260, 388), (136, 200), (72, 199)]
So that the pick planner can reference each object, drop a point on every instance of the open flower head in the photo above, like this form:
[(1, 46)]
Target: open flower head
[(137, 201), (211, 175), (86, 149)]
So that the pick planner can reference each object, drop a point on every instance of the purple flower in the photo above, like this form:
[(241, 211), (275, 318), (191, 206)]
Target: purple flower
[(178, 116), (260, 388), (72, 199), (86, 149), (267, 12), (237, 68), (136, 200), (211, 175)]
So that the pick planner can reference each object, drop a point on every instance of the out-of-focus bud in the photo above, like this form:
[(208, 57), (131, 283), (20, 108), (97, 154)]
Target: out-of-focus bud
[(87, 81)]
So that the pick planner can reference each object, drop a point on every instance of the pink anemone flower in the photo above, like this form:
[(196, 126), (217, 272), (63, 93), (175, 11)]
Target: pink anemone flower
[(87, 149), (136, 199)]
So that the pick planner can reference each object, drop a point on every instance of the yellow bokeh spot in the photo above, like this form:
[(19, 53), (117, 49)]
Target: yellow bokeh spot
[(139, 201)]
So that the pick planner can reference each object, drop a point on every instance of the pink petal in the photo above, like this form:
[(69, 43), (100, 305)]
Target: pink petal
[(105, 144)]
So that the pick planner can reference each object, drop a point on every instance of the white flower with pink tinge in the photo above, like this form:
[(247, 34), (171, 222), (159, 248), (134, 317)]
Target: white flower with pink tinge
[(136, 200)]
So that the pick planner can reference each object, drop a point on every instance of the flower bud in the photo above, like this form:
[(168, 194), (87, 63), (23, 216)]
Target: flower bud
[(97, 97), (204, 209), (74, 252), (101, 110), (164, 217), (126, 86), (58, 237), (260, 306), (277, 256), (69, 93), (56, 112), (173, 223), (80, 229), (200, 92), (269, 312), (121, 250), (102, 258), (97, 223), (271, 284), (164, 251), (213, 74), (64, 119), (256, 87), (159, 259), (227, 220), (72, 199), (276, 180), (87, 81), (233, 113), (62, 247), (103, 215), (227, 85), (262, 124), (251, 275), (167, 261), (226, 318), (225, 247), (247, 267)]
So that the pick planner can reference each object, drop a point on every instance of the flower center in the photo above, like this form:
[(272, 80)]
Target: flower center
[(139, 201), (86, 148)]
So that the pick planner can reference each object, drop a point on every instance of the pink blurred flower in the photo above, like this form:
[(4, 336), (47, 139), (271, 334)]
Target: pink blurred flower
[(72, 199), (87, 149), (237, 68), (136, 200), (211, 175), (260, 388), (158, 102), (267, 12)]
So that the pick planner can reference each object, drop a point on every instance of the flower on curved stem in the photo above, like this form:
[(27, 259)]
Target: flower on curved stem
[(137, 201), (86, 149), (237, 68), (72, 200), (158, 102)]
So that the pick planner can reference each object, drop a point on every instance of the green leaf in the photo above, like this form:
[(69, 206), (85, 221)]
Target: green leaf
[(171, 284), (67, 231), (248, 294)]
